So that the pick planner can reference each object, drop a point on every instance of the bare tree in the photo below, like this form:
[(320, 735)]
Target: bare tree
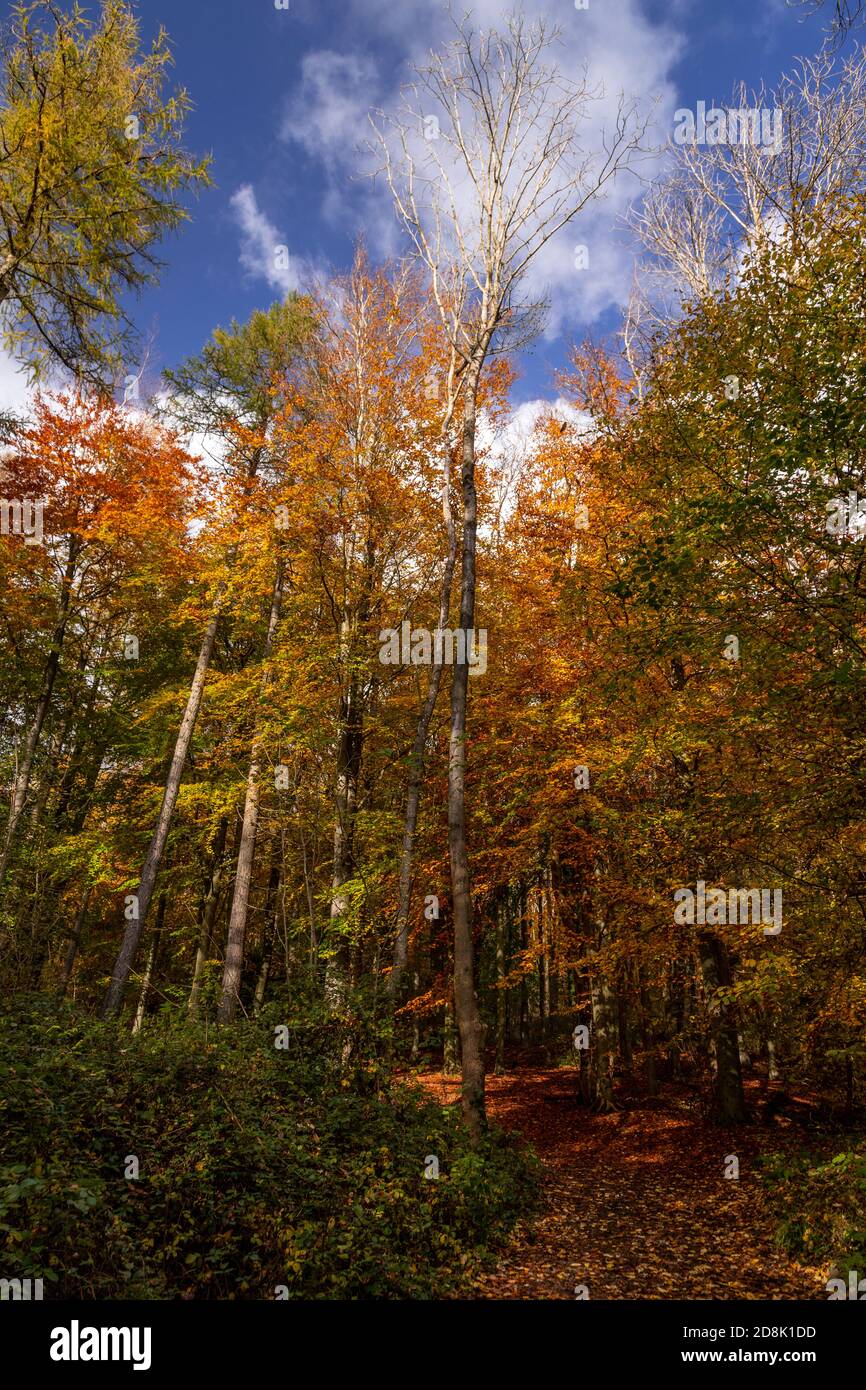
[(844, 14), (502, 170), (721, 201)]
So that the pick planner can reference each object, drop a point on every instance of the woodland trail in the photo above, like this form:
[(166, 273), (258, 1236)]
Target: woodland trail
[(635, 1204)]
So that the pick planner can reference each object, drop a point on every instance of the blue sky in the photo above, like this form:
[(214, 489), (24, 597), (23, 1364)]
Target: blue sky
[(280, 100)]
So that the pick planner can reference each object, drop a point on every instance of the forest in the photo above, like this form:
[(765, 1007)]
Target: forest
[(429, 850)]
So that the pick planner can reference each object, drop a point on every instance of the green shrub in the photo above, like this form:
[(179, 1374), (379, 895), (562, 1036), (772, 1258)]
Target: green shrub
[(259, 1167), (821, 1204)]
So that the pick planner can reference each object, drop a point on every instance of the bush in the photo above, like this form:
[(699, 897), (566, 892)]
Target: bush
[(258, 1167), (822, 1204)]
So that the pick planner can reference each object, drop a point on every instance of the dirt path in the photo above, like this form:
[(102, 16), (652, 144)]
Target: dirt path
[(635, 1204)]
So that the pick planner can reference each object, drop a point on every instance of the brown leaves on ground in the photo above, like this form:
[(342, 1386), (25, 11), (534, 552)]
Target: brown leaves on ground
[(635, 1204)]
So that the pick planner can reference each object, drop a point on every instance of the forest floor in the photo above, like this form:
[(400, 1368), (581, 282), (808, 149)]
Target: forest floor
[(635, 1203)]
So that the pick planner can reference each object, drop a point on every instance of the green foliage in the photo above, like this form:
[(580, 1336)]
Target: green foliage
[(822, 1205), (233, 380), (92, 164), (259, 1167)]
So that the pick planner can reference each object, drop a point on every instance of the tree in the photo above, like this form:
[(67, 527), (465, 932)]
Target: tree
[(246, 852), (845, 14), (88, 456), (720, 203), (91, 166), (357, 442), (245, 361), (118, 489), (513, 175)]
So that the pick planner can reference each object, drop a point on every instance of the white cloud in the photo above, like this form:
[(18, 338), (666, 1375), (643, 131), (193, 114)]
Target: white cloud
[(15, 394), (512, 448), (616, 44), (263, 253), (516, 441), (327, 116)]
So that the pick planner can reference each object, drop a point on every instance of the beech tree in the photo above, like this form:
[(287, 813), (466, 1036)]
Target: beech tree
[(117, 489), (242, 365), (512, 174)]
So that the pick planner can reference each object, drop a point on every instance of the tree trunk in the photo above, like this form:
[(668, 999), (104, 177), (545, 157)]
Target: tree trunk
[(604, 1023), (207, 914), (728, 1104), (450, 1041), (134, 928), (246, 854), (49, 675), (465, 1002), (416, 1025), (585, 1078), (849, 1088), (268, 930), (416, 765), (544, 961), (773, 1072), (150, 967), (501, 992), (647, 1038), (624, 1024), (523, 930), (345, 795)]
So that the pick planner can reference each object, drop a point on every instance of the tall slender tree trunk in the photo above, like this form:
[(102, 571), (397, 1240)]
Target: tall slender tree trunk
[(309, 875), (416, 765), (416, 1026), (624, 1023), (350, 741), (450, 1037), (773, 1072), (501, 992), (150, 968), (207, 914), (410, 825), (523, 928), (465, 1002), (544, 960), (246, 854), (134, 927), (272, 907), (604, 1024), (554, 969), (647, 1036), (49, 675)]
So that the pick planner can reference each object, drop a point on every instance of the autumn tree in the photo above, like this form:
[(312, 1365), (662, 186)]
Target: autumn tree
[(117, 487), (358, 445), (512, 174), (243, 363), (91, 173)]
